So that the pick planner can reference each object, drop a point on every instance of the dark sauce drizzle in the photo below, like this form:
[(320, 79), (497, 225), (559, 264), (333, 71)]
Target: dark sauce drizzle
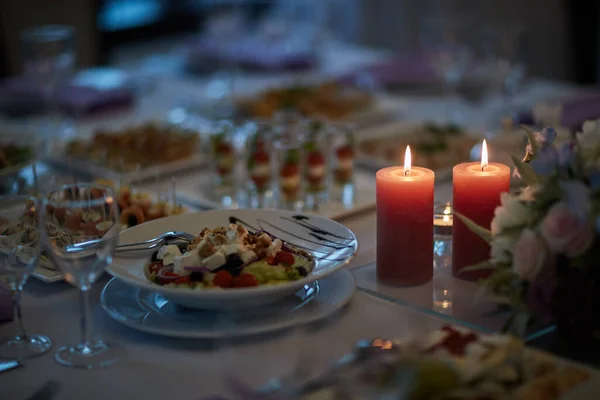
[(316, 233)]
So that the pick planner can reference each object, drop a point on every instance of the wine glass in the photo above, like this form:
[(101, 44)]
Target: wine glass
[(445, 44), (19, 254), (48, 53), (79, 229)]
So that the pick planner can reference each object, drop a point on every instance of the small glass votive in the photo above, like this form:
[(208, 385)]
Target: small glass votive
[(342, 148), (442, 258), (442, 219), (315, 172), (289, 160), (223, 161), (259, 165)]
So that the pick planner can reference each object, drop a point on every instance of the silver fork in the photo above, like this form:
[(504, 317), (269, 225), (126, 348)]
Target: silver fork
[(139, 246)]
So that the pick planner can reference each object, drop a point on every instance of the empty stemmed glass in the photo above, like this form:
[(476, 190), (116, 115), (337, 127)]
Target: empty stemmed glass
[(48, 53), (75, 214), (19, 254), (445, 44)]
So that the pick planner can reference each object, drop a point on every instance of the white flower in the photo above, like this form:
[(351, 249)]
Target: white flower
[(502, 249), (590, 135), (528, 193), (511, 213), (530, 255)]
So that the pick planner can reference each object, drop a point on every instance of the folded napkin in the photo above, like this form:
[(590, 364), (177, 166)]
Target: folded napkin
[(251, 53), (407, 70), (575, 111), (19, 95), (6, 306)]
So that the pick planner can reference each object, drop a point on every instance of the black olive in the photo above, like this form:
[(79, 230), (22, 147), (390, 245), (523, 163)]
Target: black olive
[(182, 248), (154, 256), (302, 271), (234, 261), (197, 276), (132, 220)]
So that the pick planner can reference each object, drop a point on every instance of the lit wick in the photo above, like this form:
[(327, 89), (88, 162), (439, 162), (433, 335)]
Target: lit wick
[(407, 161), (484, 155)]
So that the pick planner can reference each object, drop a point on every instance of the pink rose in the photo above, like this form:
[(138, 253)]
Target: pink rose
[(530, 255), (565, 233)]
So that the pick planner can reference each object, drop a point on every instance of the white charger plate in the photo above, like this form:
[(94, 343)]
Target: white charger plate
[(148, 311), (332, 245)]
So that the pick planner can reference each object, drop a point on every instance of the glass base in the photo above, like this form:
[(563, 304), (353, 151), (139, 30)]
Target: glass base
[(99, 354), (22, 347)]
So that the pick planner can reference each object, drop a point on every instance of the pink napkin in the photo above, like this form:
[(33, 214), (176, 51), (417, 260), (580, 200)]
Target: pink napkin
[(576, 110), (250, 53), (19, 95), (406, 70), (6, 307)]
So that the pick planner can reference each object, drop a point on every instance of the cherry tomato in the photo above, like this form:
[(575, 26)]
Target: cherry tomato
[(271, 260), (223, 279), (245, 280), (286, 258), (183, 279)]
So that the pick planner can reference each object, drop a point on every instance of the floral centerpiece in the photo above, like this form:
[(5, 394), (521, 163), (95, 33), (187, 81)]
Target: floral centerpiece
[(544, 238)]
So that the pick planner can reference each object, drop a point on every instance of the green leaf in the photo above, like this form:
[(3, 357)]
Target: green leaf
[(527, 173), (487, 264), (480, 231), (531, 138)]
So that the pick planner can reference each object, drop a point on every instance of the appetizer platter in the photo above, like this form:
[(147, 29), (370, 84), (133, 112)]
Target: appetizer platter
[(241, 259), (135, 207), (451, 363), (133, 152), (435, 146), (310, 100), (18, 149)]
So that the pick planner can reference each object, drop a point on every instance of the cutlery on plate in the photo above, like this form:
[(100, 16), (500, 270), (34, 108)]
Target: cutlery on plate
[(171, 236)]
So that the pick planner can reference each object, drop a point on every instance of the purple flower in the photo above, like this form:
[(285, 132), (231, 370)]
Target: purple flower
[(565, 155), (546, 162), (543, 139), (577, 197)]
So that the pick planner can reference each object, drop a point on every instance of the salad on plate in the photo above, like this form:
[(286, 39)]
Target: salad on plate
[(228, 257)]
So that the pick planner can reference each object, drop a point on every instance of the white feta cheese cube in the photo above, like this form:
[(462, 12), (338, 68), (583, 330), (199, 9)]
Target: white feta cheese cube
[(247, 256), (168, 253), (274, 248), (216, 260), (187, 260)]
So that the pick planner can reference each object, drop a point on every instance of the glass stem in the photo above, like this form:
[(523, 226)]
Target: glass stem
[(16, 299), (86, 318)]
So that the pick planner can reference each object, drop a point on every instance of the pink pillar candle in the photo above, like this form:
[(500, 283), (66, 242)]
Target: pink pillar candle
[(476, 193), (405, 226)]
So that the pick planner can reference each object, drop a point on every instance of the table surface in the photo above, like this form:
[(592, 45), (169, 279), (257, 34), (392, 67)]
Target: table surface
[(158, 367)]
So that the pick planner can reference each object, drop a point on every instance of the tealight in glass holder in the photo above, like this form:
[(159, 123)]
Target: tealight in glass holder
[(341, 161), (316, 172), (442, 258), (289, 164), (223, 161), (259, 166)]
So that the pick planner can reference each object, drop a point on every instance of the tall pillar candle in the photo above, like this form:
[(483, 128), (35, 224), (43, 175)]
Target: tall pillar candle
[(405, 224), (476, 190)]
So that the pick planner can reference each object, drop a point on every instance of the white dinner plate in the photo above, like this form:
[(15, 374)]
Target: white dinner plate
[(148, 311), (331, 244)]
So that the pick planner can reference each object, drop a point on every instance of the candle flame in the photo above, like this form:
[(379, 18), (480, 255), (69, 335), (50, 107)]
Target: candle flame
[(484, 155), (407, 161), (447, 212)]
